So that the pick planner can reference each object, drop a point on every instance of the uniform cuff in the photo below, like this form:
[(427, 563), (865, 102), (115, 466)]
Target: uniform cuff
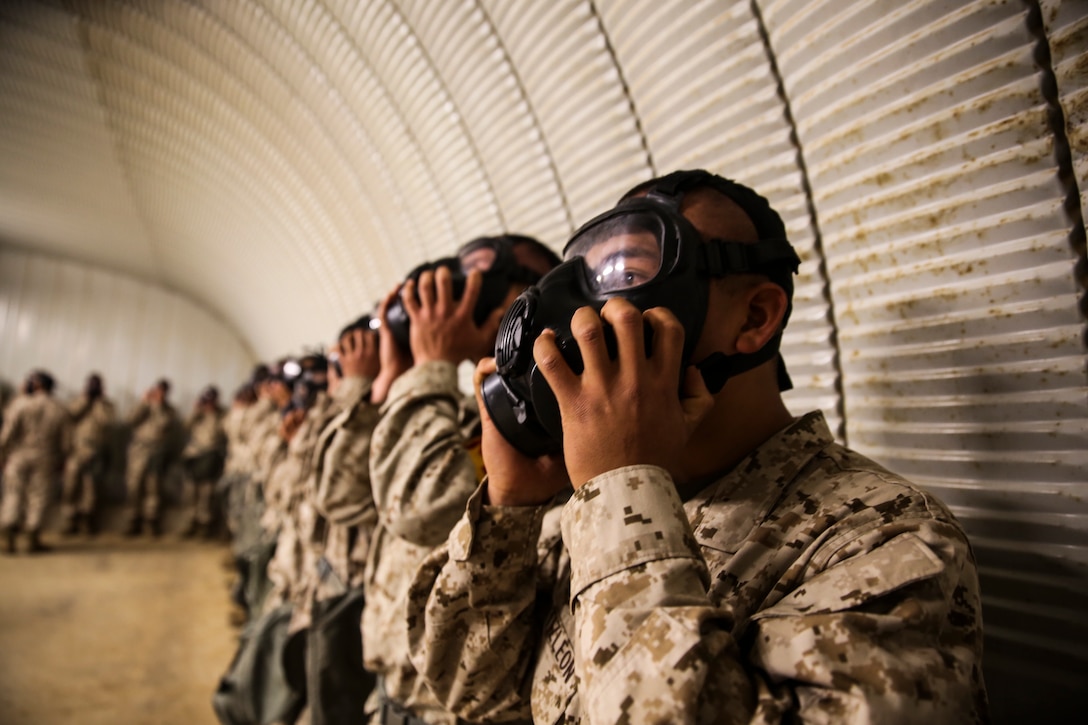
[(351, 390), (621, 519), (511, 530)]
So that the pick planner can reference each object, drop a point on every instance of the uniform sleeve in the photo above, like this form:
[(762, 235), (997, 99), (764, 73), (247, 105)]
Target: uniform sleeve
[(80, 407), (104, 413), (139, 415), (12, 429), (471, 613), (65, 430), (866, 639), (342, 465), (421, 472)]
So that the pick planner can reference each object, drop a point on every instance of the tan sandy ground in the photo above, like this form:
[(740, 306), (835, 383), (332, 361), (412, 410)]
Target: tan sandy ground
[(115, 631)]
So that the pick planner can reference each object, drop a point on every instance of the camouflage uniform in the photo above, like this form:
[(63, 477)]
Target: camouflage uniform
[(341, 483), (296, 520), (282, 494), (241, 426), (253, 544), (269, 449), (203, 459), (32, 449), (255, 423), (92, 419), (423, 468), (232, 483), (807, 584), (152, 426)]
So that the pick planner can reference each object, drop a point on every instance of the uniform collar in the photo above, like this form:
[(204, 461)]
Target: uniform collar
[(743, 497)]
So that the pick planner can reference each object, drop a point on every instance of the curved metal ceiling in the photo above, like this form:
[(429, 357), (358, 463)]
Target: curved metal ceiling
[(284, 162)]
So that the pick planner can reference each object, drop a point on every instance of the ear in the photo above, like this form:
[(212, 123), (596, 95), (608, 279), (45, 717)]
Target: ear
[(766, 305)]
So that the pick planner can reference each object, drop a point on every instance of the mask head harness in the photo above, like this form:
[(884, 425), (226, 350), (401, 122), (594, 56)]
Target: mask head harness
[(493, 256), (645, 251)]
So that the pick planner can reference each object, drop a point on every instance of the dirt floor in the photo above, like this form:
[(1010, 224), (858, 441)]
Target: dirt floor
[(114, 630)]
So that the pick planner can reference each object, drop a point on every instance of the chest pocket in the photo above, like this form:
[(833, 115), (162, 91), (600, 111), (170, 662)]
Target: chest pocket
[(900, 562)]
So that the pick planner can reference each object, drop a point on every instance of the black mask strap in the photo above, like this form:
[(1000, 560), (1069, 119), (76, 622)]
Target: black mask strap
[(720, 257), (718, 367)]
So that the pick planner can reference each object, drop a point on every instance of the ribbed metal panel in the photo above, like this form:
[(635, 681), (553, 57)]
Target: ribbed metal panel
[(698, 73), (486, 99), (284, 162), (52, 126), (571, 81), (924, 131), (1065, 23), (72, 319)]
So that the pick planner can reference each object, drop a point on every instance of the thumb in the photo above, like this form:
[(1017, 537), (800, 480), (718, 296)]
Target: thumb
[(695, 400), (484, 368)]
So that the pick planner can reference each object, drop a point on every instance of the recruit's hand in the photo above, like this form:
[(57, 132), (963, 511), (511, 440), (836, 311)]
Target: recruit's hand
[(625, 411), (514, 479), (291, 422), (392, 360), (359, 354), (443, 328)]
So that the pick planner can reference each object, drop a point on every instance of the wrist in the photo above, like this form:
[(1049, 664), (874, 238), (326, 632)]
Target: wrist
[(511, 497), (431, 356)]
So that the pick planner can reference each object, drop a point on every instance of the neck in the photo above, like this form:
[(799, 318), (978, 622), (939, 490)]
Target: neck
[(746, 413)]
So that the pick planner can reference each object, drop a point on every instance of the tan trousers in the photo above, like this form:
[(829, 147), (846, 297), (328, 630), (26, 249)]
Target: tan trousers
[(79, 494), (201, 500), (144, 483), (27, 480)]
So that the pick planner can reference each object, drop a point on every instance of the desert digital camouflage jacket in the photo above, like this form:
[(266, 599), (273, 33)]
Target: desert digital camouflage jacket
[(289, 511), (341, 483), (305, 532), (206, 433), (806, 585), (245, 427), (35, 427), (422, 472), (91, 421), (151, 426), (267, 446)]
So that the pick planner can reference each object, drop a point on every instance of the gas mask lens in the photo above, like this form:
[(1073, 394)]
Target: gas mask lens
[(479, 256), (621, 252)]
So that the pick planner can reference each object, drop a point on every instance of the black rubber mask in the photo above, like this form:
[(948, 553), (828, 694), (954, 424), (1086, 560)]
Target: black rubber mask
[(493, 256), (645, 251)]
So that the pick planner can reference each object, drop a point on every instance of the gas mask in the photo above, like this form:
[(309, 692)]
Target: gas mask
[(366, 323), (493, 256), (645, 251)]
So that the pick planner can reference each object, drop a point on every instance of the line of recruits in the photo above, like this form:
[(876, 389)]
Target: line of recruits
[(40, 438), (623, 522)]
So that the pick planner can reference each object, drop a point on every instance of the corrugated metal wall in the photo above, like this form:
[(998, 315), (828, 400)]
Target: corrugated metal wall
[(72, 319), (936, 189), (285, 161)]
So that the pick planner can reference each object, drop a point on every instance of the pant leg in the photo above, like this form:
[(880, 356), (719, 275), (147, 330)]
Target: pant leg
[(204, 499), (135, 482), (15, 484), (88, 499), (70, 490), (153, 488), (37, 491), (78, 486)]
